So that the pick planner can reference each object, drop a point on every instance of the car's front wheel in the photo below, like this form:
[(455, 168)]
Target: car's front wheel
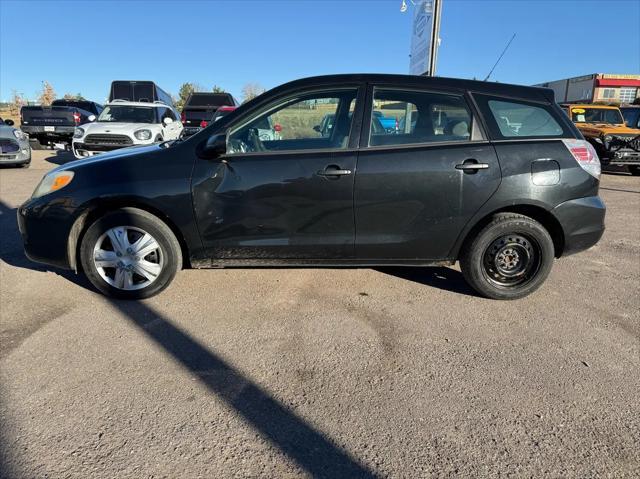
[(509, 258), (634, 170), (130, 254)]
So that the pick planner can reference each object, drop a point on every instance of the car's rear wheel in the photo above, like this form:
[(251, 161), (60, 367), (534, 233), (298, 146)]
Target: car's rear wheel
[(509, 258), (130, 254), (634, 170)]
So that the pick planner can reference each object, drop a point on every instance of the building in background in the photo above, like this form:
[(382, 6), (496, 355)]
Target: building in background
[(596, 88)]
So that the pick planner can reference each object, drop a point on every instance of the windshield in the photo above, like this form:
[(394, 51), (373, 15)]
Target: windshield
[(596, 115), (128, 114), (632, 117)]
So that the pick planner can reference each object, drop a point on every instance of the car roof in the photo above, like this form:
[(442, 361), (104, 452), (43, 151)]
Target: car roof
[(136, 103), (502, 89)]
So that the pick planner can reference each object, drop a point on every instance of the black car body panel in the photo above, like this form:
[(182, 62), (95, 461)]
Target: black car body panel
[(407, 204)]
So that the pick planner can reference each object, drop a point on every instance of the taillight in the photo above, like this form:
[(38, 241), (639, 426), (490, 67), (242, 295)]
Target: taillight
[(586, 156), (76, 118), (183, 117), (203, 124)]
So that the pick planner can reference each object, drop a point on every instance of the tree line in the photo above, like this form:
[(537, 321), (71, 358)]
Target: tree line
[(47, 94)]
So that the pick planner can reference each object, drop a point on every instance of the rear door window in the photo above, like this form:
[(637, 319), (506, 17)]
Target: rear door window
[(508, 118), (401, 117)]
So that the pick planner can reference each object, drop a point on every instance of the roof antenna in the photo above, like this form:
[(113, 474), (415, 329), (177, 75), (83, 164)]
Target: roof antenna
[(500, 57)]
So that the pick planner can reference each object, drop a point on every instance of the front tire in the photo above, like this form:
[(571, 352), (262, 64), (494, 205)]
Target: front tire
[(130, 254), (634, 170), (509, 258)]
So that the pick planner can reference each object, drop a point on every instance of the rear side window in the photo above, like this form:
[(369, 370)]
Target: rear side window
[(521, 119), (401, 117)]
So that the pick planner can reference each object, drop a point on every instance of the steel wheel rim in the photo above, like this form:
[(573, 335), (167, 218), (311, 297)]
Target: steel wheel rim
[(511, 260), (128, 258)]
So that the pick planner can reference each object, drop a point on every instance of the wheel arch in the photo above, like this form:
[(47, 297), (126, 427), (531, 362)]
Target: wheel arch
[(536, 212), (98, 208)]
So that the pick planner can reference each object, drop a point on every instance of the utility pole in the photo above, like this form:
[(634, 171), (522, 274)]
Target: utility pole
[(435, 37)]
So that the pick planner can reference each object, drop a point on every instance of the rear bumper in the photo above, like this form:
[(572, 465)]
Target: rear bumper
[(582, 221), (39, 132)]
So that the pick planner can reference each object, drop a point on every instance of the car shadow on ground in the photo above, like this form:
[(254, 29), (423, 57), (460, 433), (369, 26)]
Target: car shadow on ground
[(311, 449), (439, 277), (59, 157)]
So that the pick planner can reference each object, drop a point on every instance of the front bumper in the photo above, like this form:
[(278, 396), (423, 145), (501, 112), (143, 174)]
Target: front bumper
[(622, 158), (45, 227), (20, 157), (83, 150), (582, 221)]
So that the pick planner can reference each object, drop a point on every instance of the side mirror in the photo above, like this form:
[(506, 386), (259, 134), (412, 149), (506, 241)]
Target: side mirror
[(215, 146), (166, 121), (91, 118), (8, 122), (317, 128)]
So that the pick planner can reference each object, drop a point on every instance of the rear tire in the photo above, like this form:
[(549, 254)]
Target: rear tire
[(634, 170), (142, 264), (509, 258)]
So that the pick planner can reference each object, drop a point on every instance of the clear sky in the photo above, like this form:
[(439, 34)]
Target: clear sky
[(80, 46)]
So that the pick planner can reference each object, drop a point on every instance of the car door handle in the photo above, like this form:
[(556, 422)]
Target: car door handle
[(472, 166), (333, 171)]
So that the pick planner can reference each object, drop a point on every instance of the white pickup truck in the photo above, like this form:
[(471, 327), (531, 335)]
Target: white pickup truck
[(126, 123)]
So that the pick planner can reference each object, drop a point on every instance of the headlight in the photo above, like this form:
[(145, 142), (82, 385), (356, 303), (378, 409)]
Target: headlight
[(142, 134), (78, 133), (19, 135), (52, 182)]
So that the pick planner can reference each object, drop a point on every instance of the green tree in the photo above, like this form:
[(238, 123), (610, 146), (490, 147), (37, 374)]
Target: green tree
[(218, 89), (186, 89)]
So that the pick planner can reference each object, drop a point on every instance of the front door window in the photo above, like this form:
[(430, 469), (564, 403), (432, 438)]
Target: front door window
[(313, 121)]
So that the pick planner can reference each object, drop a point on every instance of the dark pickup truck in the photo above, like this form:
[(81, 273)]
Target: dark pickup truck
[(56, 123), (200, 107)]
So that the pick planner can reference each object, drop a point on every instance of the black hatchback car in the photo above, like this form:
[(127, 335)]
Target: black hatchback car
[(491, 175)]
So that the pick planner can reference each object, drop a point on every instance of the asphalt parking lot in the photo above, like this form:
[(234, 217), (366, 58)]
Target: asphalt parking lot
[(322, 372)]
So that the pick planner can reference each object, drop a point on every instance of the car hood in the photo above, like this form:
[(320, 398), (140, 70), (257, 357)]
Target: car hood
[(6, 131), (118, 128), (606, 129), (115, 155)]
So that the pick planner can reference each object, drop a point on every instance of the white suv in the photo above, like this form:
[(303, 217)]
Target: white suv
[(126, 123)]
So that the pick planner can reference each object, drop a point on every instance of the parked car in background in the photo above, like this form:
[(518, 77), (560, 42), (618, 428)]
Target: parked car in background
[(144, 91), (631, 114), (604, 127), (504, 203), (387, 122), (55, 124), (219, 114), (199, 108), (14, 145), (124, 123)]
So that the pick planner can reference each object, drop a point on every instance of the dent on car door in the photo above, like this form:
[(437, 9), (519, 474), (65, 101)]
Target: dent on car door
[(418, 185), (282, 190)]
